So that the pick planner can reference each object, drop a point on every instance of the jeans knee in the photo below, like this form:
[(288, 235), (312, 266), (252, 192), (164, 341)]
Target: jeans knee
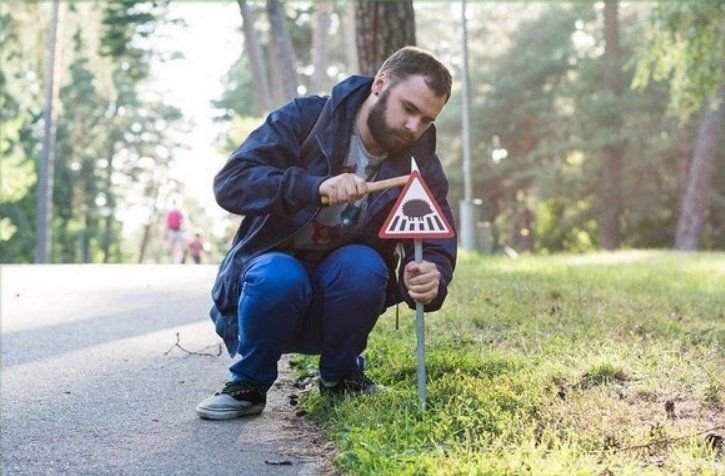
[(277, 277), (359, 268)]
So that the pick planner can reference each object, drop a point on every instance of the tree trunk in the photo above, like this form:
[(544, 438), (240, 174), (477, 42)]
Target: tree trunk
[(320, 54), (110, 204), (348, 22), (684, 156), (381, 29), (254, 50), (523, 223), (610, 235), (85, 245), (113, 138), (151, 191), (43, 236), (696, 202), (281, 54)]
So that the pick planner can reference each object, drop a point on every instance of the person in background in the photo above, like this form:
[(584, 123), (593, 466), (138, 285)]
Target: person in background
[(196, 246), (175, 234), (295, 278)]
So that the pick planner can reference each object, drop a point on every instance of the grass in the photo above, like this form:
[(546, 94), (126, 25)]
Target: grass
[(609, 363)]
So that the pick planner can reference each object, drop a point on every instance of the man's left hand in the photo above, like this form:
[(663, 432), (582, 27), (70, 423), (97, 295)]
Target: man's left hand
[(422, 280)]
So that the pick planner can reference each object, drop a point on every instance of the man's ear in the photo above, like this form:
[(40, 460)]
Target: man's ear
[(378, 83)]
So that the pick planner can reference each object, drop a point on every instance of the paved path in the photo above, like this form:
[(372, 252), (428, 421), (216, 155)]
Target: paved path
[(89, 388)]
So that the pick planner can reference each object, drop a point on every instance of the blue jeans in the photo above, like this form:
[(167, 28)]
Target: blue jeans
[(327, 309)]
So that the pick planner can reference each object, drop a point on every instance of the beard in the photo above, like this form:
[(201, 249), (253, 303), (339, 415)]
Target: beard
[(391, 140)]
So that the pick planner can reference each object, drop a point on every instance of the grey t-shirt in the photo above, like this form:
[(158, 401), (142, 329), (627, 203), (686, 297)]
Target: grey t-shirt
[(326, 231)]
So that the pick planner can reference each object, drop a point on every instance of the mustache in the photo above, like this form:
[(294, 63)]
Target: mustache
[(407, 136)]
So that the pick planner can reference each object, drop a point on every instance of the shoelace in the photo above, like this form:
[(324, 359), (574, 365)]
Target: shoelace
[(235, 388)]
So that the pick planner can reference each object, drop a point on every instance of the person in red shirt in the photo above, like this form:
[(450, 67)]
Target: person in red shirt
[(175, 234)]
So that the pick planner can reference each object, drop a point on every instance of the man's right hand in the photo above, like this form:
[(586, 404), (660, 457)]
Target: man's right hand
[(343, 188)]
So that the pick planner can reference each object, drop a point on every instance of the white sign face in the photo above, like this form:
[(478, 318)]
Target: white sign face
[(416, 214)]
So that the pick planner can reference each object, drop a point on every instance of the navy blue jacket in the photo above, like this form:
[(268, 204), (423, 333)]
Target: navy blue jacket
[(276, 188)]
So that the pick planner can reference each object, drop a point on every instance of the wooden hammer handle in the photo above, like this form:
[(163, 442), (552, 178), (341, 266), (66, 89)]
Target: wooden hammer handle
[(376, 186)]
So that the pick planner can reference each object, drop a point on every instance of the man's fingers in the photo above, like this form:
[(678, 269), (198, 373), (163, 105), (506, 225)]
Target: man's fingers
[(423, 298), (341, 193), (358, 188), (343, 188), (352, 190), (422, 281), (423, 286), (418, 294), (423, 278), (421, 273), (421, 267), (362, 187)]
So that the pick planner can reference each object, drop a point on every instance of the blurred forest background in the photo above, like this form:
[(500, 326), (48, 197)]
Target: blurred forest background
[(593, 125)]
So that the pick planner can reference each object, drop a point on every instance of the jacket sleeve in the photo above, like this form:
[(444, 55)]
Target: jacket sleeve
[(266, 174), (441, 252)]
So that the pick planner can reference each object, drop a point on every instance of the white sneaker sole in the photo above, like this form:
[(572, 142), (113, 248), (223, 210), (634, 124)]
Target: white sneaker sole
[(228, 413)]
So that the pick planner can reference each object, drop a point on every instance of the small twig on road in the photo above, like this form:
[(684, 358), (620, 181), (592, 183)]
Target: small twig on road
[(205, 354)]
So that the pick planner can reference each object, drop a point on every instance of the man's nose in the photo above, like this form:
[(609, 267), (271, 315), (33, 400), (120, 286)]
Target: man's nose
[(413, 125)]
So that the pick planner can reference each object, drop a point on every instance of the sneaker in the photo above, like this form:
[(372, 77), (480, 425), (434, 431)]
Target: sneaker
[(354, 384), (236, 399)]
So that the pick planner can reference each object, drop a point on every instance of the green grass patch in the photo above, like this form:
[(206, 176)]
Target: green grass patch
[(609, 363)]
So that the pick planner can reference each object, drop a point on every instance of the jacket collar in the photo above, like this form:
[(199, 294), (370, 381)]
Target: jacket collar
[(346, 97), (356, 88)]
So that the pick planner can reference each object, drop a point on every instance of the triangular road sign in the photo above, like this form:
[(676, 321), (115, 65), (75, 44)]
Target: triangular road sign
[(416, 214)]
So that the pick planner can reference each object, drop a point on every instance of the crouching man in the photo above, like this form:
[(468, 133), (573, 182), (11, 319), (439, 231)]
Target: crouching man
[(309, 278)]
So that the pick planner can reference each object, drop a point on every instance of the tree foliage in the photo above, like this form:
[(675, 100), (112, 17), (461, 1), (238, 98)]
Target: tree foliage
[(20, 114), (110, 138), (537, 93), (540, 116), (686, 47)]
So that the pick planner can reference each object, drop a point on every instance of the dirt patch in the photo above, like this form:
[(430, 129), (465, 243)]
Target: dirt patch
[(307, 441), (619, 417)]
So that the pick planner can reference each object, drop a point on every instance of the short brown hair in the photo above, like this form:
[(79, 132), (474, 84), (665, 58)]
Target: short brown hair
[(411, 61)]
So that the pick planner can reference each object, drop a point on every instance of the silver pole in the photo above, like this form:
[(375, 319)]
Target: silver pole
[(44, 199), (420, 332), (468, 231)]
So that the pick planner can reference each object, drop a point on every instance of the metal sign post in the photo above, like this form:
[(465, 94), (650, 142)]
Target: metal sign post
[(416, 215), (420, 332)]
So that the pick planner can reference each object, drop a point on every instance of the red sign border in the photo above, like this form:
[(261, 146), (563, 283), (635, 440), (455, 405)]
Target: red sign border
[(417, 235)]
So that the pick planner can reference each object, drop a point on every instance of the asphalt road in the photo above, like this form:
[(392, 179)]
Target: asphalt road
[(92, 382)]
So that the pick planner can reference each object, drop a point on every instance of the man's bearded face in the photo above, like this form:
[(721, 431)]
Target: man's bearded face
[(391, 139)]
